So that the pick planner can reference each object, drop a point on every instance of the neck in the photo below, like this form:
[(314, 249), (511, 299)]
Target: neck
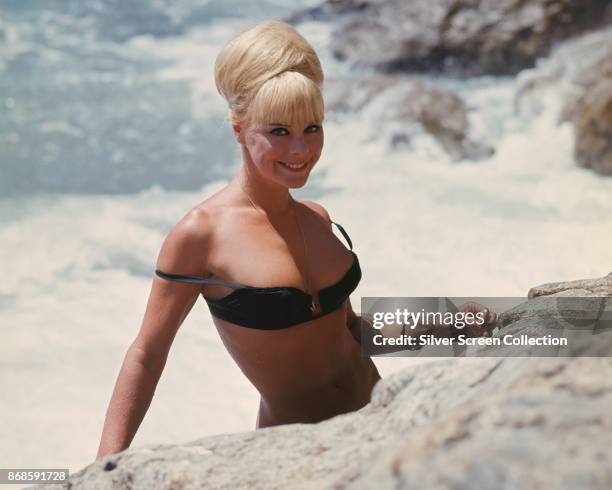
[(269, 197)]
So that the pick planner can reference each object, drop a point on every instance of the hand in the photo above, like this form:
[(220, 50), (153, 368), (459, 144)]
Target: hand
[(483, 330)]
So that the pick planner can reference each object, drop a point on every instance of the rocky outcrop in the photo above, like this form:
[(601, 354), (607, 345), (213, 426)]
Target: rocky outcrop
[(459, 36), (349, 95), (409, 105), (479, 424), (581, 70), (600, 287), (591, 114)]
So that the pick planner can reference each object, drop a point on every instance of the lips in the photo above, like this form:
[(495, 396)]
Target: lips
[(293, 166)]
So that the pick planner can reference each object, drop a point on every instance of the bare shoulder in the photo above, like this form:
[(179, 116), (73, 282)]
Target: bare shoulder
[(317, 208), (184, 250)]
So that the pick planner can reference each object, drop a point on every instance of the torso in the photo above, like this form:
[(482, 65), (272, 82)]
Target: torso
[(307, 372)]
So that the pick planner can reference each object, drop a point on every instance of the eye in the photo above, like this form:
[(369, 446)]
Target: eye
[(278, 129), (316, 128)]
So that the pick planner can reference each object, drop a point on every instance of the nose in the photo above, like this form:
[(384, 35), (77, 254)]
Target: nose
[(298, 146)]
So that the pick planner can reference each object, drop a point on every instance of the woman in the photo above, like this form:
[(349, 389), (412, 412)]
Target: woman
[(292, 343), (276, 278)]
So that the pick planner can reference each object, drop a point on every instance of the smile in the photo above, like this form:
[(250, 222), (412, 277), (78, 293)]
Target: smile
[(298, 166)]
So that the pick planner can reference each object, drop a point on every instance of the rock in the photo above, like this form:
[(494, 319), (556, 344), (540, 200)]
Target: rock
[(444, 116), (329, 10), (400, 139), (591, 114), (352, 94), (467, 37), (478, 424), (438, 112), (600, 287), (593, 128), (581, 70), (577, 310)]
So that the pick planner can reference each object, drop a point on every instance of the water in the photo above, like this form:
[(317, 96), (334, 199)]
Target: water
[(111, 130)]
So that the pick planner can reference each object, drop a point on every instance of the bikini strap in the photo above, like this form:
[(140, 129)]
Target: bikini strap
[(197, 280), (344, 234)]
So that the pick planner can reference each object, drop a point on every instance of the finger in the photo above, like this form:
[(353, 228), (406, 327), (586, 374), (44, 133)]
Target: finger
[(492, 317)]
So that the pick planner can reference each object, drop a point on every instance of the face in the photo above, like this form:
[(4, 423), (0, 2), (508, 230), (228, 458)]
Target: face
[(282, 154)]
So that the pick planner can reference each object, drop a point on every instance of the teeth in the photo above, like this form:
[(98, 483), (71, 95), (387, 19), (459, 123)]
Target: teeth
[(293, 166)]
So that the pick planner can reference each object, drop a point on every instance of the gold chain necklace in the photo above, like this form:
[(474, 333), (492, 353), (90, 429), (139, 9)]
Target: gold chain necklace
[(314, 308)]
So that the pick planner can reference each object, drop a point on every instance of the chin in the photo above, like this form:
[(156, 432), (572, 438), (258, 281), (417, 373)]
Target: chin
[(298, 185), (293, 183)]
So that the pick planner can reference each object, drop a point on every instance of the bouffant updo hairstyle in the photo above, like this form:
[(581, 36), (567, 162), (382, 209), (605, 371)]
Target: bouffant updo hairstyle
[(270, 74)]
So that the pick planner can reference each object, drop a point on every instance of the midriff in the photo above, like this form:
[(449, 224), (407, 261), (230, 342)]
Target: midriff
[(306, 373)]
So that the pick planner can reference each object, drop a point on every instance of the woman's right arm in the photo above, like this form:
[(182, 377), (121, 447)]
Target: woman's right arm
[(183, 252)]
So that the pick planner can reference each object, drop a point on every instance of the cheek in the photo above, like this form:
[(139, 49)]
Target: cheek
[(259, 147), (316, 146)]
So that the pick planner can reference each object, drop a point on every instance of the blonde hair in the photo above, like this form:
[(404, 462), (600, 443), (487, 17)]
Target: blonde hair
[(270, 74)]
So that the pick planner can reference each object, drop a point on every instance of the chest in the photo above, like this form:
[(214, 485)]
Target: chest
[(261, 253)]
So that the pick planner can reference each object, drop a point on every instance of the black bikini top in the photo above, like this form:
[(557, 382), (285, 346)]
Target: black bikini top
[(275, 308)]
